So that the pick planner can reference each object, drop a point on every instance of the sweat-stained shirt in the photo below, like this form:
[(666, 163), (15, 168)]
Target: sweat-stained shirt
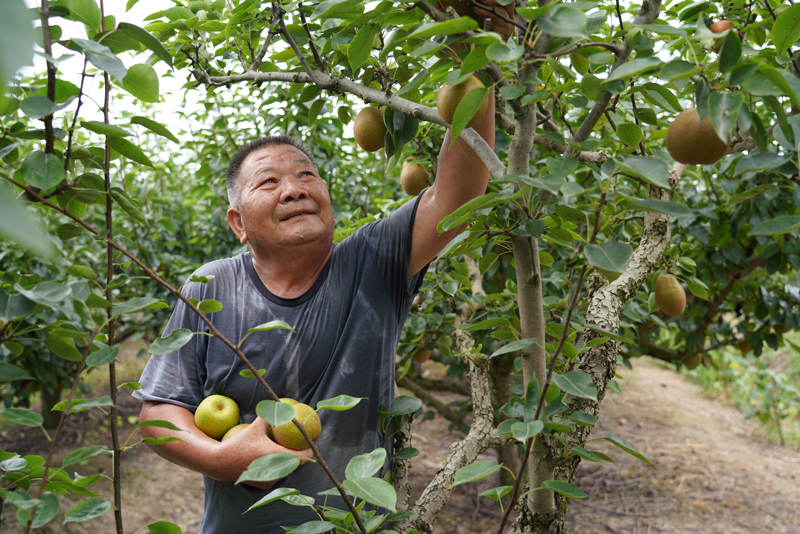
[(346, 330)]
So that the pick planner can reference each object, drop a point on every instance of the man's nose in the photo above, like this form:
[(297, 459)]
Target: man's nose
[(292, 189)]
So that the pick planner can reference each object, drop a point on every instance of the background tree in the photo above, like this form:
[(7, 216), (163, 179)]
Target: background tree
[(549, 285)]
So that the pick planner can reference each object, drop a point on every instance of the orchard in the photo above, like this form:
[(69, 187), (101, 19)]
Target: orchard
[(644, 200)]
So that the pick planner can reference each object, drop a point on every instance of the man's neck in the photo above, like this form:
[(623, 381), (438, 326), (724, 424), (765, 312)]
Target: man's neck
[(290, 272)]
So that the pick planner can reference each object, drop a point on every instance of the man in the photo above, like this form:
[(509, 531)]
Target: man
[(346, 303)]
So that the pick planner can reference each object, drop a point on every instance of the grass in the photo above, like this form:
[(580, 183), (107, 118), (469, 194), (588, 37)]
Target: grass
[(763, 388)]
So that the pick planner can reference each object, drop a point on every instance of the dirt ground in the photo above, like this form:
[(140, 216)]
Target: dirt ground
[(713, 474)]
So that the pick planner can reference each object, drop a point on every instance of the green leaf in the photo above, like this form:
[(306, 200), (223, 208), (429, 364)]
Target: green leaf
[(608, 334), (274, 496), (564, 21), (762, 161), (161, 424), (142, 82), (129, 150), (749, 194), (475, 471), (585, 453), (651, 170), (81, 405), (501, 53), (102, 357), (431, 29), (38, 106), (661, 206), (148, 40), (619, 443), (270, 467), (312, 527), (85, 11), (275, 413), (133, 305), (488, 324), (361, 46), (466, 110), (41, 170), (633, 68), (405, 454), (630, 133), (21, 416), (210, 306), (45, 512), (451, 221), (514, 346), (18, 224), (521, 431), (127, 203), (88, 509), (174, 341), (76, 457), (724, 110), (786, 29), (10, 372), (272, 325), (365, 465), (697, 289), (63, 348), (785, 81), (373, 490), (404, 404), (163, 527), (777, 226), (564, 488), (17, 37), (339, 404), (155, 127), (577, 384), (105, 129), (583, 418), (102, 57), (496, 494), (730, 53), (609, 258)]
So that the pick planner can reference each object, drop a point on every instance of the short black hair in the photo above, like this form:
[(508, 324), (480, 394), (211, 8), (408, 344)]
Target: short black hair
[(235, 165)]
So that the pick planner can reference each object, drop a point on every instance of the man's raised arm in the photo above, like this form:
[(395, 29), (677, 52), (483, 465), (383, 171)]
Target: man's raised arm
[(461, 176)]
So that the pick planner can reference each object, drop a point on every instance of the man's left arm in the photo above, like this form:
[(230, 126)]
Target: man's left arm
[(461, 176)]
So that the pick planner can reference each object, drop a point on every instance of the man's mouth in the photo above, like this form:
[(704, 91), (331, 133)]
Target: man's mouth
[(298, 214)]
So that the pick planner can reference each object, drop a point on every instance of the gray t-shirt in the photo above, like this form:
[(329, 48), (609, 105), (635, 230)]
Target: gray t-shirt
[(346, 330)]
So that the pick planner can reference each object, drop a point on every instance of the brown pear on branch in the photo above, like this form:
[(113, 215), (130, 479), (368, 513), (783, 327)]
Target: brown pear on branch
[(670, 297)]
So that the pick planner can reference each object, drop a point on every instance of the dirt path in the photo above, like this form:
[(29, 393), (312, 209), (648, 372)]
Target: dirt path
[(713, 474)]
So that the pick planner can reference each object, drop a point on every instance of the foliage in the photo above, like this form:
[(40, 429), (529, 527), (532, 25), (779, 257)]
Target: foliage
[(584, 190)]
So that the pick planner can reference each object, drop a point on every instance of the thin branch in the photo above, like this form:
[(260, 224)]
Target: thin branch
[(771, 11), (619, 15), (317, 60), (214, 330), (614, 47), (59, 427), (335, 84), (295, 48)]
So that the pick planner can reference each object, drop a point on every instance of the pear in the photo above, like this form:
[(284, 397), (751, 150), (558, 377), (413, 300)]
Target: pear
[(670, 297), (289, 436), (692, 141), (369, 129), (422, 355), (413, 178), (449, 96), (235, 430)]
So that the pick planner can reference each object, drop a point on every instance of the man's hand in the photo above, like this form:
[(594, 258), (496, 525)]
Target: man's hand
[(224, 461), (504, 28)]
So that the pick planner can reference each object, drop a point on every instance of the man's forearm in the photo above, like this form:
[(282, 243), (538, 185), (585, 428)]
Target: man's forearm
[(224, 461)]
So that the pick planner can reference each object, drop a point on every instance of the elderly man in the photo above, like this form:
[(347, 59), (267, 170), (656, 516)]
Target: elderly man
[(346, 303)]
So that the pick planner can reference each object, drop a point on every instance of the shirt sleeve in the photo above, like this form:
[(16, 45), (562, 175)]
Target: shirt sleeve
[(177, 377), (388, 241)]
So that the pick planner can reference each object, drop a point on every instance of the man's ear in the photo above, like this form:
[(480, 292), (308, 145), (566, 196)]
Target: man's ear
[(235, 222)]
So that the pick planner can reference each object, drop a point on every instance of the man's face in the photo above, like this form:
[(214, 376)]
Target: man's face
[(282, 200)]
